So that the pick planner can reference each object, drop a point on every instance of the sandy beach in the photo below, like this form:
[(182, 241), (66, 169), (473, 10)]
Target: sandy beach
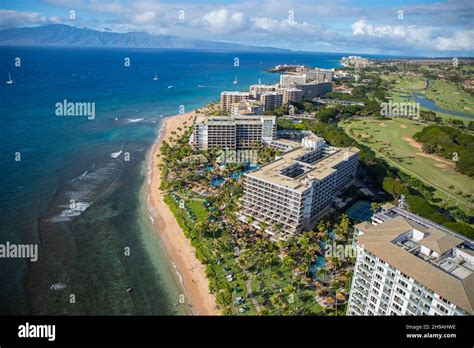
[(181, 253)]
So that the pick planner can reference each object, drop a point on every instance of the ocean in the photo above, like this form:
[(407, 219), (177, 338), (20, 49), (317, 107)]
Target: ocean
[(73, 183)]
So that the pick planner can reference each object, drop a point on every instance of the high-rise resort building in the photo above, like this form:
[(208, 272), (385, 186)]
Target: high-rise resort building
[(290, 193), (257, 90), (248, 107), (408, 265), (319, 75), (291, 94), (232, 132), (228, 98), (355, 61), (271, 100), (288, 80), (314, 89)]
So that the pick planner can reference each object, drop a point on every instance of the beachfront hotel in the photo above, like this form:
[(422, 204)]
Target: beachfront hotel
[(232, 132), (271, 100), (319, 75), (408, 265), (312, 90), (257, 90), (291, 94), (228, 98), (290, 193), (248, 107), (288, 80)]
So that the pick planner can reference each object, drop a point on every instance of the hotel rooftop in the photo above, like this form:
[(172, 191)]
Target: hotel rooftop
[(431, 254), (296, 168)]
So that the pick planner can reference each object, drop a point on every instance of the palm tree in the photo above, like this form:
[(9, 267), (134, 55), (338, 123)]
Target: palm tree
[(374, 207)]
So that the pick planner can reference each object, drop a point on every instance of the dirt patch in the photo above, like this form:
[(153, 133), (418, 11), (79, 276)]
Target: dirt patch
[(412, 142), (382, 124), (403, 126), (444, 164), (364, 135)]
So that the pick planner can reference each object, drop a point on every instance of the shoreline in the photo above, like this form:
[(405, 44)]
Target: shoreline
[(188, 269)]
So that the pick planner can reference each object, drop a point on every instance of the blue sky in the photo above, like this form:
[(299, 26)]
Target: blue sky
[(412, 27)]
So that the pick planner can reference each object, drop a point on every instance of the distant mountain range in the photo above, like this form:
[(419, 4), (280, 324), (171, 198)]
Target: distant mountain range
[(65, 35)]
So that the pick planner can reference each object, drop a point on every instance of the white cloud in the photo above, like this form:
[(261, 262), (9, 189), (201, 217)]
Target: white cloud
[(223, 20), (284, 26), (10, 18), (146, 17), (421, 38), (460, 41)]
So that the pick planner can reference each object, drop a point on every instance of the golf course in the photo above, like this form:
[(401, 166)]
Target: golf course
[(393, 141)]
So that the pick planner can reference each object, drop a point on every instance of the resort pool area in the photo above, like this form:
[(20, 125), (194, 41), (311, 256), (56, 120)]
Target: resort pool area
[(216, 182), (313, 269), (249, 167), (360, 211)]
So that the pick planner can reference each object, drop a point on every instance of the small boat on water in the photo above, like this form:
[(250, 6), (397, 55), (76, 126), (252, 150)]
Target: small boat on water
[(235, 81), (170, 86), (156, 78)]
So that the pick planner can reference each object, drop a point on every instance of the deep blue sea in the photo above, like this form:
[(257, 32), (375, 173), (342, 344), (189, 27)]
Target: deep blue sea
[(61, 187)]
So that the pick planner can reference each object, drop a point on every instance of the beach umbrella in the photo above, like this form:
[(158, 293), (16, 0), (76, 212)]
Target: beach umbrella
[(330, 300)]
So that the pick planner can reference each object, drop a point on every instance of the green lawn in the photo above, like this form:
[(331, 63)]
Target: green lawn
[(197, 207), (391, 140), (281, 277), (407, 83), (448, 95)]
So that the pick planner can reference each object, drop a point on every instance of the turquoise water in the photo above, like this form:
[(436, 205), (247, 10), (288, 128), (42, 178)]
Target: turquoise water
[(319, 263), (73, 192), (216, 182)]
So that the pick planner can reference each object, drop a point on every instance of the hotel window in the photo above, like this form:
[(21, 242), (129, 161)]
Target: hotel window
[(404, 284), (396, 306), (401, 291), (442, 309), (444, 300)]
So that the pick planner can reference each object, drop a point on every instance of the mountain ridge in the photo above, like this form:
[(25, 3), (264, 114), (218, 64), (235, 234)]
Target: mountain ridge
[(71, 36)]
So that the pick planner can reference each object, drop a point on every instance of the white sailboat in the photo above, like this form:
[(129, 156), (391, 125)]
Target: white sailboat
[(156, 78), (235, 81), (10, 81)]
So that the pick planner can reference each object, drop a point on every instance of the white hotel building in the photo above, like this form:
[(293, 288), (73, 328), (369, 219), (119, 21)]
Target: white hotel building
[(408, 265), (231, 97), (232, 132), (298, 186)]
